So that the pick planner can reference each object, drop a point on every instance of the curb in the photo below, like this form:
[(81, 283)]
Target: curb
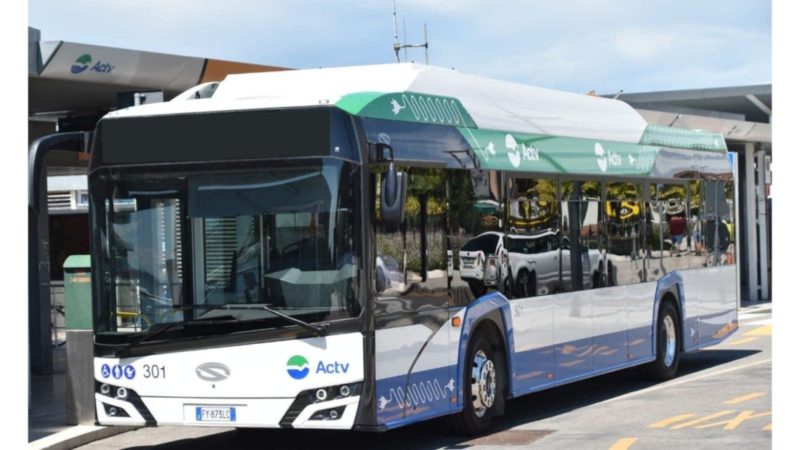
[(755, 307), (76, 436)]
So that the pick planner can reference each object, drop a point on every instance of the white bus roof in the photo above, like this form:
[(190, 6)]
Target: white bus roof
[(500, 120)]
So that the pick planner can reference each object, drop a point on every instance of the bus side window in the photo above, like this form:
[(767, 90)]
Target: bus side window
[(533, 267), (477, 243), (625, 233), (411, 256), (583, 264)]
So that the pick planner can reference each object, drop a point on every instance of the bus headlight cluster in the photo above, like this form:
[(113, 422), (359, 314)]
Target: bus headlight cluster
[(122, 393), (333, 392), (329, 414), (119, 392), (114, 411)]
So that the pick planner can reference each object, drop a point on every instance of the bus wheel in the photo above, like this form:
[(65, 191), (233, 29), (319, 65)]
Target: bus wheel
[(668, 344), (482, 388)]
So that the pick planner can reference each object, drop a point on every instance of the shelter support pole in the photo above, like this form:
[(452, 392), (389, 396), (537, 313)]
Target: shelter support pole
[(761, 192), (39, 315), (749, 215)]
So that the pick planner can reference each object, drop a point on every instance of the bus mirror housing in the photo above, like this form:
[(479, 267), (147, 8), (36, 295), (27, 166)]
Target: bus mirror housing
[(393, 195)]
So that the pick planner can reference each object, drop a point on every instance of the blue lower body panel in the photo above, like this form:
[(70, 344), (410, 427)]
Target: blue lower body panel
[(405, 399)]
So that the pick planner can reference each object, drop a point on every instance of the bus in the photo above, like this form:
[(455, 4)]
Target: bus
[(369, 247)]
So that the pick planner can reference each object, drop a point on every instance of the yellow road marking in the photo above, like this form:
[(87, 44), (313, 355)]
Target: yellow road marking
[(745, 398), (743, 340), (623, 444), (768, 427), (694, 422), (766, 330), (736, 421), (670, 421)]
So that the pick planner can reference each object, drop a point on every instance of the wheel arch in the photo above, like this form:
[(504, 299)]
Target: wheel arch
[(670, 289), (490, 315)]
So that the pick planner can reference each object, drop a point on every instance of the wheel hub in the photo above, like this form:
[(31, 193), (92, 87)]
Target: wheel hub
[(484, 383), (670, 341)]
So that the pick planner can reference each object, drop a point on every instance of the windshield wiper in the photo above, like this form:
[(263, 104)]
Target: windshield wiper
[(318, 330), (125, 351), (155, 331)]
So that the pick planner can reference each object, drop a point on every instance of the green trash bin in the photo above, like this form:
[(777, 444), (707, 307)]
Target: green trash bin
[(80, 408), (78, 293)]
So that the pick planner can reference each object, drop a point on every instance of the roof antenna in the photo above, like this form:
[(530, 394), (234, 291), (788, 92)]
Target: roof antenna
[(616, 96), (397, 46)]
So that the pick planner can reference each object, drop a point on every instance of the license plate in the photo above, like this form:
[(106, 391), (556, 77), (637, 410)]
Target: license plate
[(215, 414)]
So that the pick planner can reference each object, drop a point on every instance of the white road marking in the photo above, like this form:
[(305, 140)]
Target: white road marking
[(757, 322)]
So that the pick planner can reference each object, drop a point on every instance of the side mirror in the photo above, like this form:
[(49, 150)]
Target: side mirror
[(393, 195)]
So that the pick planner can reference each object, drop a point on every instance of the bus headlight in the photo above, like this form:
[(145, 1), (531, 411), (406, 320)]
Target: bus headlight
[(105, 389), (122, 393)]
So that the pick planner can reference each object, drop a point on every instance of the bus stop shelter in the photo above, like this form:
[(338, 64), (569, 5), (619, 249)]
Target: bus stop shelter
[(70, 87)]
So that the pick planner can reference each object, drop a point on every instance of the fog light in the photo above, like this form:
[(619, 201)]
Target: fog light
[(122, 392), (322, 394), (112, 411), (334, 415), (344, 391), (105, 389)]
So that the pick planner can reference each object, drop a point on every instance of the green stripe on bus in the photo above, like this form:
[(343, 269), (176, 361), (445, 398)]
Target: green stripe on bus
[(407, 107), (500, 150), (663, 136)]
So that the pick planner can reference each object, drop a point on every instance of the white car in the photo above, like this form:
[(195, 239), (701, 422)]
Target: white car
[(534, 263), (483, 262)]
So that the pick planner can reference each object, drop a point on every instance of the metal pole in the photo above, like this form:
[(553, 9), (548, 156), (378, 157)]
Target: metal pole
[(39, 323), (761, 192), (749, 214)]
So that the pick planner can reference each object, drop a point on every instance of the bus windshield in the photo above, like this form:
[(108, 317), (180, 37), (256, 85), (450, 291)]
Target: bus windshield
[(219, 247)]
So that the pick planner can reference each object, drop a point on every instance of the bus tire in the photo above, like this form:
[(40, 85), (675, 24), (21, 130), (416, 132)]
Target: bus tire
[(482, 389), (668, 344)]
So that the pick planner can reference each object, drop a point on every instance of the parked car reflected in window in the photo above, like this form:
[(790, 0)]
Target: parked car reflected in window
[(533, 243)]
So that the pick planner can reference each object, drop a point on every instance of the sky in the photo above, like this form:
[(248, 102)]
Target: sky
[(573, 45)]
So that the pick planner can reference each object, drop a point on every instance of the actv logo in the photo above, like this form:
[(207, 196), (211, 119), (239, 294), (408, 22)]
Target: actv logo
[(298, 367), (84, 61)]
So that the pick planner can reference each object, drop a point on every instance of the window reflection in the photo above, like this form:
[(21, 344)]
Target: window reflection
[(627, 235), (583, 265), (533, 241)]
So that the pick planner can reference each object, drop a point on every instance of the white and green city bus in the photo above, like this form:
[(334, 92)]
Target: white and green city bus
[(368, 247)]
